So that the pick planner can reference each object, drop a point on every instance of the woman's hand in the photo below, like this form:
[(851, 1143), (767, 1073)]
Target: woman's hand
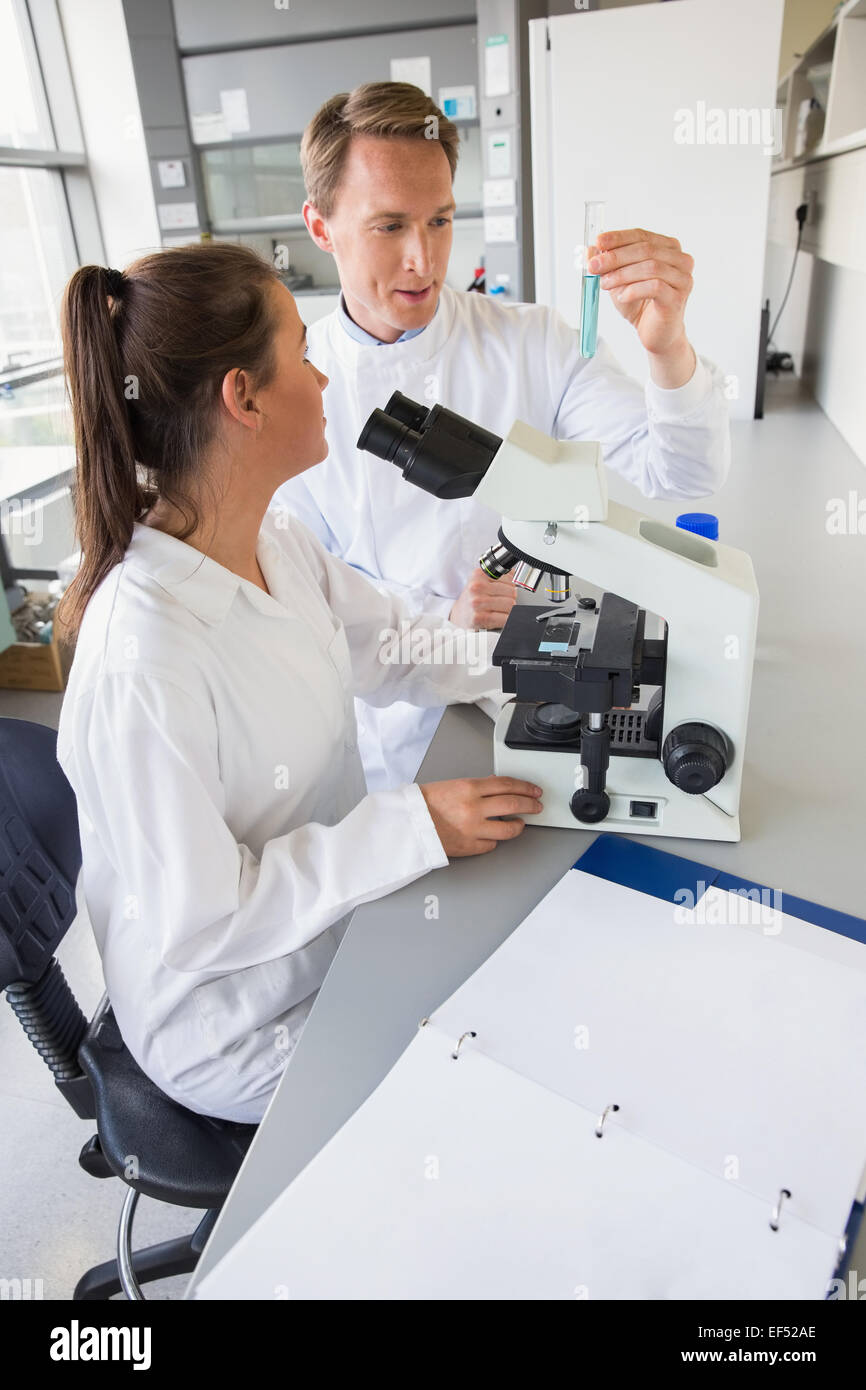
[(464, 810)]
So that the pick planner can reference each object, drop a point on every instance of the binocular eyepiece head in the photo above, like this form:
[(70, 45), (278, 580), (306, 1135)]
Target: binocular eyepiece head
[(448, 455), (437, 450)]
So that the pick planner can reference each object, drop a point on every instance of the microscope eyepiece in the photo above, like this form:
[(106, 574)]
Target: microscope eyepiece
[(382, 435), (407, 411), (435, 449)]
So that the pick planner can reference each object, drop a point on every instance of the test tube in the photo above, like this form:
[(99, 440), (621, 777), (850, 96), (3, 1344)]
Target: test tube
[(593, 224)]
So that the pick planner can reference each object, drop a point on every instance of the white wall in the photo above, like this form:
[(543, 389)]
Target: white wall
[(606, 98), (822, 325), (790, 336), (835, 357), (98, 48)]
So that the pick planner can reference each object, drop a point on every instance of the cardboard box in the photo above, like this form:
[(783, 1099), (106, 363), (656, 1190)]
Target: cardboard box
[(33, 666)]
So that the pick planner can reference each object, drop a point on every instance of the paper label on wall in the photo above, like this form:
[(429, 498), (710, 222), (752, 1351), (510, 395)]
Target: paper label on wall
[(171, 173), (177, 215), (235, 111), (501, 228), (416, 71), (500, 193), (499, 154), (209, 128), (497, 66), (458, 103)]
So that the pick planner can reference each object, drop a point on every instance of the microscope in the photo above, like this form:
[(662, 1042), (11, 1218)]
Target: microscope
[(629, 715)]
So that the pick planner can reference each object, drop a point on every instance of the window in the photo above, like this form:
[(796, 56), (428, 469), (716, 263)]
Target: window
[(38, 255), (37, 245), (24, 119), (248, 182), (40, 183)]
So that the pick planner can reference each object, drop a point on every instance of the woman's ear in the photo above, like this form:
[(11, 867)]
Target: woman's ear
[(239, 400)]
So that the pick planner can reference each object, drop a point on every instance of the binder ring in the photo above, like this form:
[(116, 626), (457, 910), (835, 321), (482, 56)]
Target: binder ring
[(774, 1219), (460, 1041), (599, 1129)]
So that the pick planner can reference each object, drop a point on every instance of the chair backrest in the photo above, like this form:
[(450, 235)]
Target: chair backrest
[(40, 852)]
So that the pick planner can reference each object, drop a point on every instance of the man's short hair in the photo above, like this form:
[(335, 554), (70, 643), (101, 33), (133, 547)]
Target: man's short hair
[(376, 108)]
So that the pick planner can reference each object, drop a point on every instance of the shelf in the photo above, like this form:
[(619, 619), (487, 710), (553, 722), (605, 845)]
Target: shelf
[(843, 45), (822, 151), (846, 108), (233, 226), (855, 9)]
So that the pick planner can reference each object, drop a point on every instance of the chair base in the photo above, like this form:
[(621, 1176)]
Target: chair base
[(170, 1257)]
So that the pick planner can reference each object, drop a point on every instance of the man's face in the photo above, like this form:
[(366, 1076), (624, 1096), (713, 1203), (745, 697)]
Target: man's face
[(390, 232)]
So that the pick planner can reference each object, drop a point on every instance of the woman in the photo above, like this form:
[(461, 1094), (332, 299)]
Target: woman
[(208, 727)]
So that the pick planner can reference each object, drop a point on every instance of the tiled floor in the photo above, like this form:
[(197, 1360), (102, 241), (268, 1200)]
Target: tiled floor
[(55, 1220)]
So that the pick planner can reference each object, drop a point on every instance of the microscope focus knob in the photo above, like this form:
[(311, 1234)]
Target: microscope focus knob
[(589, 807), (695, 757)]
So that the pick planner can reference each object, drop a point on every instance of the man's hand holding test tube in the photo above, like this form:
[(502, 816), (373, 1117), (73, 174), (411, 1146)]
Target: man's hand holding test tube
[(649, 278)]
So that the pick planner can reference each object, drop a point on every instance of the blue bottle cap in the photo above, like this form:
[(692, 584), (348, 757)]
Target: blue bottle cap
[(702, 523)]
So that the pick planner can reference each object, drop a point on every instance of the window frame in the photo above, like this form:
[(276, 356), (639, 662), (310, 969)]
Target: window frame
[(42, 35)]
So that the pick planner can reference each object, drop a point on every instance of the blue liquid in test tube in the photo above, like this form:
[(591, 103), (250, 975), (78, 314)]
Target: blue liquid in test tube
[(589, 315), (593, 226)]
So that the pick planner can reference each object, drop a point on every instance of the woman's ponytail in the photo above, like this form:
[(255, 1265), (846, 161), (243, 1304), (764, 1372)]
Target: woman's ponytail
[(108, 496)]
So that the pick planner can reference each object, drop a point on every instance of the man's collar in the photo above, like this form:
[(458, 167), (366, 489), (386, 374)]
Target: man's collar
[(361, 335), (424, 347)]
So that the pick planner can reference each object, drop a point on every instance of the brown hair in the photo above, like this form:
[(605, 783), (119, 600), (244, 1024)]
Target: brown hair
[(375, 108), (145, 354)]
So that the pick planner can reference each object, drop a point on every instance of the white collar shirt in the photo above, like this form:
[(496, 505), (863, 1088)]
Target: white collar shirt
[(208, 733)]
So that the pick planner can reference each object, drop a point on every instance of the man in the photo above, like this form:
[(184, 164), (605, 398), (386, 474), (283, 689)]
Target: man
[(378, 167)]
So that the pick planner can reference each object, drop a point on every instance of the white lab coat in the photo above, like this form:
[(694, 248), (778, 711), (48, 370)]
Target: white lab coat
[(208, 732), (494, 364)]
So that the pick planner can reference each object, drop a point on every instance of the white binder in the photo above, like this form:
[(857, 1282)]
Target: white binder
[(628, 1100)]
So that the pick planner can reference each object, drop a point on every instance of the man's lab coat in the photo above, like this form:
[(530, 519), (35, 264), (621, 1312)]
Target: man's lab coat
[(492, 363)]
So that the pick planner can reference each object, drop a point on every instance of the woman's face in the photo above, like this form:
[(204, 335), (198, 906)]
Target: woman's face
[(291, 404)]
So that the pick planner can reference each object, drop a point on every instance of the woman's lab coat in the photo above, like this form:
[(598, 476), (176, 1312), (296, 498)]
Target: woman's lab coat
[(494, 364), (209, 735)]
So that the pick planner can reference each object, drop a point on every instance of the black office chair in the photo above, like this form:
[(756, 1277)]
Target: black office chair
[(151, 1143)]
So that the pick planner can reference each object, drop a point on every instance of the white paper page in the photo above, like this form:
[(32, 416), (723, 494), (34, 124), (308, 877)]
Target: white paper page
[(235, 110), (497, 69), (417, 71), (209, 127), (728, 1047), (462, 1180)]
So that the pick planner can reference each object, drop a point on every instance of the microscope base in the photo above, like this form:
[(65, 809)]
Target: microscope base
[(642, 799)]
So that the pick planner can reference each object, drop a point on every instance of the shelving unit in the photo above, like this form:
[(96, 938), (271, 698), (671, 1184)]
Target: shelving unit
[(843, 46)]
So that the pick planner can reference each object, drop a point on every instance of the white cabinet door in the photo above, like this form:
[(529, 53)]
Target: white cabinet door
[(665, 111)]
